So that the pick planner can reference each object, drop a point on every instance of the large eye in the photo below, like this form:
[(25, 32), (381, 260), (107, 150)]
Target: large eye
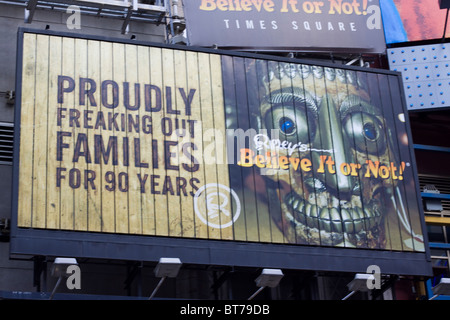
[(370, 131), (367, 132), (287, 126), (288, 123)]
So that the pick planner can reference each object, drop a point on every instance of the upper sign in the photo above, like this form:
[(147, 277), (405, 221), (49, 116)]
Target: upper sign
[(330, 26)]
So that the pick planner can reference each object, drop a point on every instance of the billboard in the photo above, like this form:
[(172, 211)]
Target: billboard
[(129, 151), (406, 20), (326, 26)]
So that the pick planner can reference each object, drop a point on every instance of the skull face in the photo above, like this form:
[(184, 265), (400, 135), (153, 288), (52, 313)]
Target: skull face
[(326, 116)]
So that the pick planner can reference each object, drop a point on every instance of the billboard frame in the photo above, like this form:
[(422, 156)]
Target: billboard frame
[(82, 244)]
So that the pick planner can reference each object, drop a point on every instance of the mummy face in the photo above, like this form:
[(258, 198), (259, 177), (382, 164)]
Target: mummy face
[(329, 113)]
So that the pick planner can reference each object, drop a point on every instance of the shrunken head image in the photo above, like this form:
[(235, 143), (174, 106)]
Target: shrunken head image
[(325, 151)]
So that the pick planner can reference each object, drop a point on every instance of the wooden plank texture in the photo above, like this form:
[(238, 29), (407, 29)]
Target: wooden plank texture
[(27, 131), (118, 146)]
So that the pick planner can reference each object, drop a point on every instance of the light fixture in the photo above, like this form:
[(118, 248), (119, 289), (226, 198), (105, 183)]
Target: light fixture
[(443, 287), (432, 204), (166, 267), (59, 269), (359, 283), (268, 278)]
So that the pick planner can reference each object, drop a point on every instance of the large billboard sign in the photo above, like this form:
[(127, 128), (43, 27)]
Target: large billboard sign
[(330, 26), (129, 151)]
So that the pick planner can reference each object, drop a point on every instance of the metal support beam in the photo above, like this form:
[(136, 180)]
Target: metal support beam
[(221, 280), (106, 3), (40, 268), (438, 245), (435, 195), (445, 25), (134, 272), (126, 23), (129, 10), (360, 59), (29, 10), (437, 220), (431, 148)]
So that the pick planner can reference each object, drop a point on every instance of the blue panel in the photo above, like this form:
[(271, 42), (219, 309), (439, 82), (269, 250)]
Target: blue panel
[(438, 245), (431, 148), (435, 195)]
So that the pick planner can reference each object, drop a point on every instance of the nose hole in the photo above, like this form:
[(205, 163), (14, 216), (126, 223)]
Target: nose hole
[(315, 185), (343, 193), (351, 188)]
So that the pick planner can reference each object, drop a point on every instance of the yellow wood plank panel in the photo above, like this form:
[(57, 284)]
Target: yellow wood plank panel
[(27, 131), (212, 215), (95, 170), (67, 193), (198, 177), (225, 197), (40, 133), (53, 192), (147, 197), (171, 142), (115, 203), (107, 169), (135, 153), (80, 148), (121, 171), (159, 173), (183, 225), (187, 139)]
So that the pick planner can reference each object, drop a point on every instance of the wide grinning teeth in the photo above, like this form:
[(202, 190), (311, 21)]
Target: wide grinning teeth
[(348, 220)]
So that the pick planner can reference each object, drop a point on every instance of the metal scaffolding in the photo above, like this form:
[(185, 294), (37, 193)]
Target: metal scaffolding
[(149, 11)]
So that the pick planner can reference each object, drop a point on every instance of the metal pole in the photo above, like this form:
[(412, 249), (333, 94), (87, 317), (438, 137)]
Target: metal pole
[(349, 295), (56, 287), (445, 27), (157, 287), (257, 291), (172, 31)]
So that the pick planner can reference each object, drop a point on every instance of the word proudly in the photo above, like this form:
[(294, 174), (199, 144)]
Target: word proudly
[(110, 92)]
